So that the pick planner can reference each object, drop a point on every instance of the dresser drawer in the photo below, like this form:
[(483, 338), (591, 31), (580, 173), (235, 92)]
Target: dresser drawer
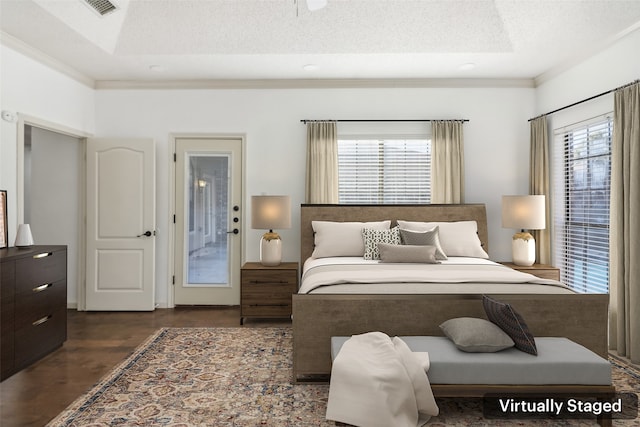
[(35, 339), (40, 269), (32, 307)]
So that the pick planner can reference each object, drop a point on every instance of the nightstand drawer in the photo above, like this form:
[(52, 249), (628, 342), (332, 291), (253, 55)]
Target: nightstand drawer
[(268, 290), (542, 271), (268, 277), (270, 309)]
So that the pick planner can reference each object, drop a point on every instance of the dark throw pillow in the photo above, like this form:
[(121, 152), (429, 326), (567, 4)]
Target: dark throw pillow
[(512, 323)]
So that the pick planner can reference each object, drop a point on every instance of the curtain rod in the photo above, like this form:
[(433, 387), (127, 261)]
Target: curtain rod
[(585, 100), (305, 121)]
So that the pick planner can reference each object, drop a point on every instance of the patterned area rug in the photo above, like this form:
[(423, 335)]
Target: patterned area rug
[(242, 377)]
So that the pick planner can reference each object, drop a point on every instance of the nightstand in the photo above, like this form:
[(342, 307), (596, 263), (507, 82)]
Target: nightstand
[(266, 291), (541, 270)]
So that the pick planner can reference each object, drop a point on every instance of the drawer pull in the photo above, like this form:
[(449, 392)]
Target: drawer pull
[(42, 287), (41, 321), (268, 305), (258, 282), (42, 255)]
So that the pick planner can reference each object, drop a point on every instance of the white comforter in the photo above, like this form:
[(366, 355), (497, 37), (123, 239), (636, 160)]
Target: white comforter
[(461, 275), (378, 381)]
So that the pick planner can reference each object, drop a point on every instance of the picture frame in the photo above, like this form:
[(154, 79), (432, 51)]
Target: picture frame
[(4, 221)]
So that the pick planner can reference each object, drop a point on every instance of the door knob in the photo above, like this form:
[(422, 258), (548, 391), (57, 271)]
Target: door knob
[(234, 231), (147, 234)]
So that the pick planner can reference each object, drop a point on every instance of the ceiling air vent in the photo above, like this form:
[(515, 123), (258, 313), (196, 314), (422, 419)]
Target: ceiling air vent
[(101, 7)]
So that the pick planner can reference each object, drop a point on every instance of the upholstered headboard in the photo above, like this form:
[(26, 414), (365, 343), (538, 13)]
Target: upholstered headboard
[(365, 213)]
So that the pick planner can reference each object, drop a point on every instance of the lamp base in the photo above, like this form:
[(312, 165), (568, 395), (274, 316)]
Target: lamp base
[(270, 249), (523, 249)]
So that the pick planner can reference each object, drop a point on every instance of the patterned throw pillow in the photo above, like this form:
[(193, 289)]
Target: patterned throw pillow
[(424, 238), (512, 323), (373, 237)]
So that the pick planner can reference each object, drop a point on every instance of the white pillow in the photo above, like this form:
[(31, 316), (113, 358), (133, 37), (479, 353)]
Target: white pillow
[(342, 238), (458, 238)]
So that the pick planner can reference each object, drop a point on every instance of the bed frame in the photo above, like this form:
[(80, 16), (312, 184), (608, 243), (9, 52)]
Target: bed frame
[(316, 318)]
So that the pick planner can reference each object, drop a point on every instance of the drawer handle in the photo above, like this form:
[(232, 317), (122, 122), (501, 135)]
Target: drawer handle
[(268, 305), (268, 281), (42, 255), (41, 321), (42, 287)]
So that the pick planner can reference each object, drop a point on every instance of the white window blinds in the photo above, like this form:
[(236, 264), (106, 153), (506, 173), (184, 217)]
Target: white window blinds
[(582, 177), (384, 171)]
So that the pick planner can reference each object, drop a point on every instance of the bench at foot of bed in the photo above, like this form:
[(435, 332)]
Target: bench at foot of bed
[(561, 368)]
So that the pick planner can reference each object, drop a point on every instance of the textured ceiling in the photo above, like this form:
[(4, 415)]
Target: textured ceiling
[(349, 39)]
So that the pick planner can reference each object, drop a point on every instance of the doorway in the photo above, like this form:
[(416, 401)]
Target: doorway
[(53, 202), (208, 220)]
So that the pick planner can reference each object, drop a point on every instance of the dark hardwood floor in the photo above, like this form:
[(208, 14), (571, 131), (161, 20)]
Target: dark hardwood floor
[(96, 342)]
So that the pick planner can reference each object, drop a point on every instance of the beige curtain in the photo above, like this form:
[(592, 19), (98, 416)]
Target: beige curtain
[(624, 274), (322, 163), (447, 161), (539, 184)]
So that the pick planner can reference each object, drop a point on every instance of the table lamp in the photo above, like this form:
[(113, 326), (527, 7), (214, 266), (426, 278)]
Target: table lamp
[(525, 213), (269, 212)]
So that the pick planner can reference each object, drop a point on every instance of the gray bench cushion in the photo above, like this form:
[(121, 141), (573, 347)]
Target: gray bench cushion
[(559, 361)]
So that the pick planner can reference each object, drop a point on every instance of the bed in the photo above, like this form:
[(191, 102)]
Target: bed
[(345, 309)]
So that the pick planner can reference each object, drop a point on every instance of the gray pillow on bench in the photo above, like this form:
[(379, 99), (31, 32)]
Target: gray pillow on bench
[(476, 335)]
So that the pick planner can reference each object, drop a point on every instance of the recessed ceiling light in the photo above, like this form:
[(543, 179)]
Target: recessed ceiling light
[(310, 67), (314, 5), (468, 66)]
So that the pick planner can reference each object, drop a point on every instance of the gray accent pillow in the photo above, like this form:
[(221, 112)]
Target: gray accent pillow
[(476, 335), (372, 237), (424, 238), (407, 253)]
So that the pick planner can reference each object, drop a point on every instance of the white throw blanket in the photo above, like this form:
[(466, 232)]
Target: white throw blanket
[(379, 381)]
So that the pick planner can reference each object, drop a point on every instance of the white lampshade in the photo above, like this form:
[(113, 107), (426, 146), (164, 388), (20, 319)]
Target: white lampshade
[(269, 212), (524, 213), (24, 238)]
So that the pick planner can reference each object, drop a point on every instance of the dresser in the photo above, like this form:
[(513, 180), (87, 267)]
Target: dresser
[(33, 305), (266, 291)]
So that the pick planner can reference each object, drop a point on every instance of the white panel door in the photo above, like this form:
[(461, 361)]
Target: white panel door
[(120, 224), (208, 221)]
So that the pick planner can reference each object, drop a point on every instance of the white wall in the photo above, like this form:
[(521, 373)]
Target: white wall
[(614, 66), (496, 137), (27, 87), (496, 141)]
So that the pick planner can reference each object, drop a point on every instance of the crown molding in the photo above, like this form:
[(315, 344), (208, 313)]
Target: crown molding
[(382, 83), (41, 57), (315, 83), (585, 55)]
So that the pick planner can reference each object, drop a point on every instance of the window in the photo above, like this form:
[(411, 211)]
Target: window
[(582, 182), (384, 171)]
